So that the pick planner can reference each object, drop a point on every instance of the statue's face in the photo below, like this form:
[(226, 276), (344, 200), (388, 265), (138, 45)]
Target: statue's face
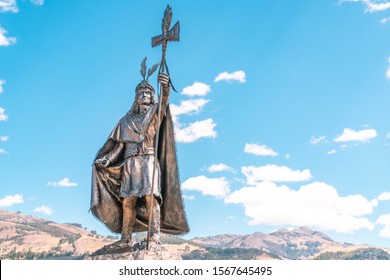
[(144, 96)]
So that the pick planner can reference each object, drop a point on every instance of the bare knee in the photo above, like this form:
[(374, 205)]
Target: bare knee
[(129, 202)]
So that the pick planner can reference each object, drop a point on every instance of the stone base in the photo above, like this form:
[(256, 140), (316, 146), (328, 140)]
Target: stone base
[(137, 251)]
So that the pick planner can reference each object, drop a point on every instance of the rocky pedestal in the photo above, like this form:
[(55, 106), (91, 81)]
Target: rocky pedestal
[(137, 251)]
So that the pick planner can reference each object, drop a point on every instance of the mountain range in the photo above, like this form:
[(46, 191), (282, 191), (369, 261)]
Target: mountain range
[(28, 237)]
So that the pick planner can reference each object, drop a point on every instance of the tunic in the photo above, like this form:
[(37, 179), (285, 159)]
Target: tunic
[(137, 132)]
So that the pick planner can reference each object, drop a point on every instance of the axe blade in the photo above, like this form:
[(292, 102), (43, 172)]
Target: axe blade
[(172, 35)]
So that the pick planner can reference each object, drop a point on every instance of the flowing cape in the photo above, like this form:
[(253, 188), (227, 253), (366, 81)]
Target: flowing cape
[(106, 204)]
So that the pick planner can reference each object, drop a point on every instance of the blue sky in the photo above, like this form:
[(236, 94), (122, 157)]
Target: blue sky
[(281, 116)]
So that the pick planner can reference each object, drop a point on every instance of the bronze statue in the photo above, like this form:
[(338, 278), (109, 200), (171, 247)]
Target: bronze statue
[(135, 181)]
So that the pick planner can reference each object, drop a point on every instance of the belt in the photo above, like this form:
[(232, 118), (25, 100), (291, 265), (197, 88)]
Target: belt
[(135, 150)]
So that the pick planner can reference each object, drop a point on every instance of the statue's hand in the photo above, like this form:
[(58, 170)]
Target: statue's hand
[(102, 162), (163, 79)]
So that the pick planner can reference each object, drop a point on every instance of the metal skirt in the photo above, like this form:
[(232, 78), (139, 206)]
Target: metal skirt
[(137, 177)]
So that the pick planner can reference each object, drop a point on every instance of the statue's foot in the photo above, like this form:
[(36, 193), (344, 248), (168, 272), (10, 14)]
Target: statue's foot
[(155, 238), (123, 243)]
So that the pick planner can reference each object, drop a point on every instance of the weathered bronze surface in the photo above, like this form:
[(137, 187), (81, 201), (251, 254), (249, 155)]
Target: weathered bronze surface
[(135, 181)]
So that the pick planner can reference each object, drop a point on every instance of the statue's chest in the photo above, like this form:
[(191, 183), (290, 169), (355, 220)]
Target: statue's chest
[(138, 121)]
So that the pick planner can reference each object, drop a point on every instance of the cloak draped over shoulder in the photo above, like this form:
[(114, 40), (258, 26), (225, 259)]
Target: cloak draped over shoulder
[(106, 203)]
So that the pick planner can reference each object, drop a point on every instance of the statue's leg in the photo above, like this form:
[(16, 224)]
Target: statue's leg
[(129, 215), (155, 229)]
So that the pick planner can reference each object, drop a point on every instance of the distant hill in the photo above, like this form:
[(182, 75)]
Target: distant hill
[(24, 236), (28, 237), (358, 254), (301, 243)]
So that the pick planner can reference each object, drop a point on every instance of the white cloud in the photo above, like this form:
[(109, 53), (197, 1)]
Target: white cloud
[(360, 136), (384, 196), (10, 200), (62, 183), (197, 89), (374, 202), (44, 210), (239, 76), (316, 140), (385, 20), (387, 74), (371, 6), (274, 173), (331, 152), (2, 151), (11, 6), (3, 116), (6, 41), (8, 6), (188, 197), (38, 2), (385, 232), (259, 150), (2, 82), (4, 138), (388, 135), (195, 131), (315, 205), (187, 107), (217, 187), (221, 167), (384, 220)]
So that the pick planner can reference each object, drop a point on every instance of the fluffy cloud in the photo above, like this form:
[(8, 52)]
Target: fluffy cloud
[(371, 6), (197, 89), (187, 107), (274, 173), (2, 151), (259, 150), (195, 131), (4, 138), (385, 221), (316, 205), (8, 6), (316, 140), (38, 2), (387, 74), (331, 152), (384, 21), (3, 116), (188, 197), (221, 167), (239, 76), (6, 41), (385, 232), (360, 136), (2, 82), (384, 196), (10, 200), (217, 187), (62, 183), (44, 210)]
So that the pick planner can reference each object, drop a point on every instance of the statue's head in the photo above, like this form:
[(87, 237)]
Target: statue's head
[(144, 93)]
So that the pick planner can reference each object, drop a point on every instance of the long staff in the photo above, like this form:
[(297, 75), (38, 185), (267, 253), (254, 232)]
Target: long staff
[(163, 39)]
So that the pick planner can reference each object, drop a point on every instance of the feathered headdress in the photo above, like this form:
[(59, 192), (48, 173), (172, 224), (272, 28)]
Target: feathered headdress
[(145, 82)]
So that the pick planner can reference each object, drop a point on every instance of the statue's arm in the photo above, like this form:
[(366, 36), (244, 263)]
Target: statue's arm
[(163, 79), (112, 156)]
